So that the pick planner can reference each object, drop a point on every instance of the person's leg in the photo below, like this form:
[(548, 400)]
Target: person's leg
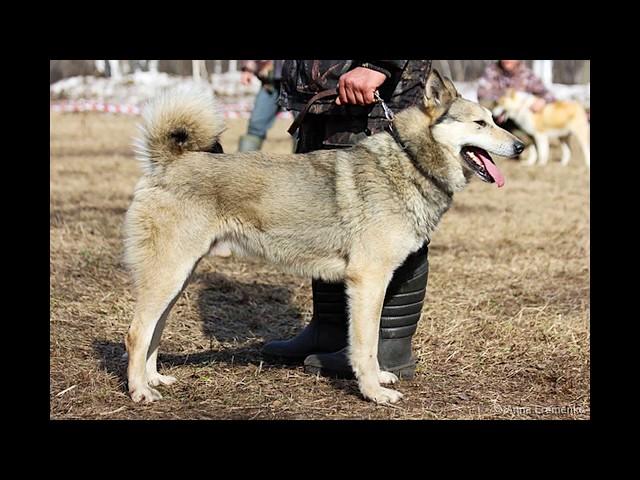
[(401, 312), (327, 330), (262, 118)]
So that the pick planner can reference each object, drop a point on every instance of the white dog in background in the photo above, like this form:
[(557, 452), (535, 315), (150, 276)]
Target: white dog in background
[(557, 120)]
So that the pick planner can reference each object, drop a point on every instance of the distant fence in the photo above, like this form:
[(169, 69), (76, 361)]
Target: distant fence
[(229, 110), (562, 71)]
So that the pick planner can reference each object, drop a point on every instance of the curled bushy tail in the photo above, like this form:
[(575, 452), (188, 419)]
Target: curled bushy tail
[(179, 120)]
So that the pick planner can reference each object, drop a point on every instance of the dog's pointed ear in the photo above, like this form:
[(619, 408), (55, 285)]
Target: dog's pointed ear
[(451, 87), (439, 92)]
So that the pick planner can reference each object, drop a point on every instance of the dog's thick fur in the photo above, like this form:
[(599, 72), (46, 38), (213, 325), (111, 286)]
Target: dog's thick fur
[(557, 120), (352, 214)]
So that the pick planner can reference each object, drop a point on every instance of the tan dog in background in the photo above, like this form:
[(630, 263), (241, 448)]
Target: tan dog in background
[(557, 120), (351, 215)]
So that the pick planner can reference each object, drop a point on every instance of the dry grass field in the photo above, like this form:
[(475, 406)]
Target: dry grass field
[(504, 332)]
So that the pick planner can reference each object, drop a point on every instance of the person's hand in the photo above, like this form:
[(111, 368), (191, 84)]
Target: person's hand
[(265, 72), (246, 77), (358, 86), (538, 105)]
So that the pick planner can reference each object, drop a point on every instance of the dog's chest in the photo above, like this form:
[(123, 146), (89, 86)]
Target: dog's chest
[(425, 207)]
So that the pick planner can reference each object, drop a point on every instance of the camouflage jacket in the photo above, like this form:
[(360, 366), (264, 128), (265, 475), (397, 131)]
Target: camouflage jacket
[(495, 82), (302, 79)]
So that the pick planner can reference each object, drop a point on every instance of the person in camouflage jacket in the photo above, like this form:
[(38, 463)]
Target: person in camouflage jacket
[(340, 123), (403, 86)]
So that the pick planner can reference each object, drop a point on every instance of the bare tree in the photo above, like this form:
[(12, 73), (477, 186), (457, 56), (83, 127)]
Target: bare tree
[(544, 70), (101, 66), (195, 69), (458, 70), (114, 67), (199, 70)]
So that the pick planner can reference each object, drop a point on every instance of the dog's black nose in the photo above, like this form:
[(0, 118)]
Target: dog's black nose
[(519, 147)]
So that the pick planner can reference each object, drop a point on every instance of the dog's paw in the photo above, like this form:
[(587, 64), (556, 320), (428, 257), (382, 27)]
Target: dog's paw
[(383, 396), (386, 378), (157, 379), (145, 394)]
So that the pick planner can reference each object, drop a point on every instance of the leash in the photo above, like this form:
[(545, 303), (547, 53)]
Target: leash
[(390, 117), (318, 96), (333, 92)]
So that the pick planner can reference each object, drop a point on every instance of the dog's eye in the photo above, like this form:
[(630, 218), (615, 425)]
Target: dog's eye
[(482, 123)]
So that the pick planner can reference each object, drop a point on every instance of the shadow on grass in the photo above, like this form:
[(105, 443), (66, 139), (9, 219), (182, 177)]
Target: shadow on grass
[(112, 360), (247, 314)]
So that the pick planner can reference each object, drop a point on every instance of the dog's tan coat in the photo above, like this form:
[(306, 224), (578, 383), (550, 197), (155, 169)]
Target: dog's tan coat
[(352, 215)]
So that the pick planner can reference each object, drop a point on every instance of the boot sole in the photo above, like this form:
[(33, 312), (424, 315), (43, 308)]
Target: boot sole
[(282, 359)]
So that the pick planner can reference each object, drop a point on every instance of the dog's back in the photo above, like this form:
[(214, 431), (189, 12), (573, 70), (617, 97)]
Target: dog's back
[(560, 115)]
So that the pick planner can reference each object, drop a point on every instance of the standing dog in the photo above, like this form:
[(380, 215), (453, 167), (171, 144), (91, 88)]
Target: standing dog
[(561, 120), (352, 214)]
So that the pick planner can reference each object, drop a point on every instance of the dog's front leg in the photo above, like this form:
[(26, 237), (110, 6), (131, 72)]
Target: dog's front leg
[(531, 156), (542, 145), (366, 290)]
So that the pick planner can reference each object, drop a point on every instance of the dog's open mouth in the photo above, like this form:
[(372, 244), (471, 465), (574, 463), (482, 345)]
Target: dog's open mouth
[(482, 164)]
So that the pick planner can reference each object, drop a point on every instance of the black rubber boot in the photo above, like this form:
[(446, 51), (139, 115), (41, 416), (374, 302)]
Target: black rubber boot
[(327, 330), (400, 315)]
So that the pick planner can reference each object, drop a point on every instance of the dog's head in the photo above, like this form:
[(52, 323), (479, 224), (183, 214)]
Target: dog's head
[(466, 131), (512, 103)]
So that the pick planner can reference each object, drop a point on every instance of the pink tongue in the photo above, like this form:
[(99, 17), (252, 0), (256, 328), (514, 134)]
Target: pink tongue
[(491, 168)]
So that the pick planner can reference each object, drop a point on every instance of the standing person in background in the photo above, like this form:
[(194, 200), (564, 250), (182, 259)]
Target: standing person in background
[(265, 109)]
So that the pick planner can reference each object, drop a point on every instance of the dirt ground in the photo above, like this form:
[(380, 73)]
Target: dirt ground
[(504, 332)]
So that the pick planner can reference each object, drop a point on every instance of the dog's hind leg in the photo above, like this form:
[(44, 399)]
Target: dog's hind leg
[(542, 145), (579, 129), (531, 155), (153, 377), (151, 369), (583, 139), (161, 265), (366, 289), (155, 298), (587, 154), (566, 152)]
